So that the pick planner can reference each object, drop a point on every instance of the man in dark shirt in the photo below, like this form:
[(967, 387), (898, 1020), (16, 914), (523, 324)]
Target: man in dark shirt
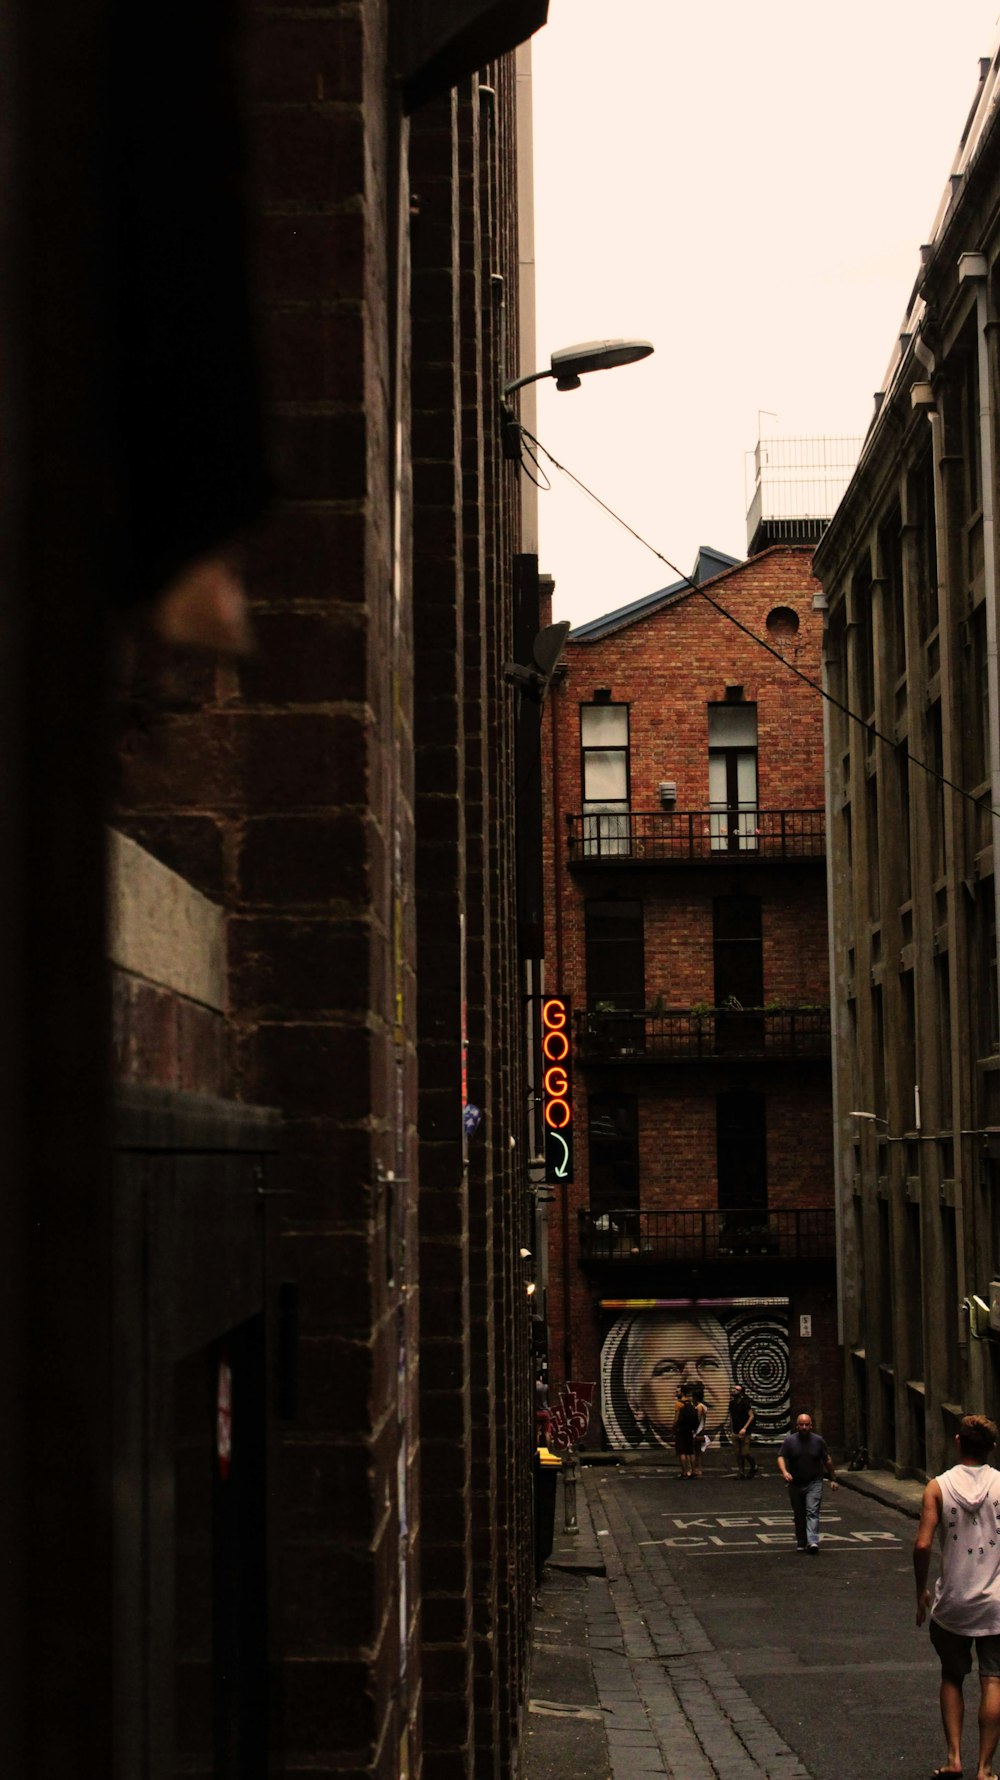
[(741, 1420), (803, 1462)]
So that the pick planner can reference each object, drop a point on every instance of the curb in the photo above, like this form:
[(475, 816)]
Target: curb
[(903, 1494)]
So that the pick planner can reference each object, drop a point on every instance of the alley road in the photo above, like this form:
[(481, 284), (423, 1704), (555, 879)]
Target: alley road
[(719, 1651)]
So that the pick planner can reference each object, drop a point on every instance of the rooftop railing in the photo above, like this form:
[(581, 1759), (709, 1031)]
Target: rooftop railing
[(677, 835), (694, 1237), (604, 1036)]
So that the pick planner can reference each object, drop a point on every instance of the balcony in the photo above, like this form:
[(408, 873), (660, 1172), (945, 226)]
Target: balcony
[(788, 1034), (678, 837), (695, 1237)]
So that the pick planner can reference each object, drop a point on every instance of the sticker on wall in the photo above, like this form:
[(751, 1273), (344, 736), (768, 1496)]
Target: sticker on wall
[(647, 1355)]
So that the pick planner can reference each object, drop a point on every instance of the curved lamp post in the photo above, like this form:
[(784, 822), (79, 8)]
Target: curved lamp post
[(573, 362)]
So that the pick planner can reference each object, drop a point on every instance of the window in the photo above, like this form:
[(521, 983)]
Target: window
[(864, 643), (732, 776), (922, 501), (613, 1125), (741, 1151), (738, 948), (892, 569), (604, 746), (615, 972)]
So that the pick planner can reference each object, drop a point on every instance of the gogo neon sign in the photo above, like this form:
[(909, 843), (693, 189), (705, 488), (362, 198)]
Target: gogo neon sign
[(557, 1089)]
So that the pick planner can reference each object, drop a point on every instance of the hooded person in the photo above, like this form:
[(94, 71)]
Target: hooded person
[(962, 1506)]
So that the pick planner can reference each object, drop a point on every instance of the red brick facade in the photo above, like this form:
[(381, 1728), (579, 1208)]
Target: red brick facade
[(668, 665)]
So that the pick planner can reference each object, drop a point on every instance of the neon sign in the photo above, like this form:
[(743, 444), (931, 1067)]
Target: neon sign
[(557, 1089)]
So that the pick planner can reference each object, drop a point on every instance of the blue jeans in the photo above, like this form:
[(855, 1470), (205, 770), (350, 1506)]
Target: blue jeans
[(806, 1498)]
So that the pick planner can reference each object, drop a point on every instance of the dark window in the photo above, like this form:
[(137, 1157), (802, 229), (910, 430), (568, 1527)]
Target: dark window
[(903, 804), (908, 1050), (614, 1153), (864, 644), (922, 501), (732, 776), (935, 744), (942, 983), (977, 696), (741, 1150), (986, 1033), (971, 435), (871, 811), (878, 1051), (615, 972), (892, 568), (738, 947), (604, 773)]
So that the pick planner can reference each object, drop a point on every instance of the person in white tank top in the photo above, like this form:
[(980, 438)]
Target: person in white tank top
[(962, 1507)]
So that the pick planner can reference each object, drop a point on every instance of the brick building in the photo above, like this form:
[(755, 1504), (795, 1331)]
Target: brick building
[(909, 570), (687, 926), (265, 1383)]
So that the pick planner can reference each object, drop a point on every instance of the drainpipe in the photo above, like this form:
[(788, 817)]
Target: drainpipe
[(973, 266), (820, 605)]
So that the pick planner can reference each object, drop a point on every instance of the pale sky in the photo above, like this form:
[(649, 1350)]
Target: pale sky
[(748, 187)]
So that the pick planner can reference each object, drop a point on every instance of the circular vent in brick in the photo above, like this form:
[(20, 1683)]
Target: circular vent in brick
[(782, 622)]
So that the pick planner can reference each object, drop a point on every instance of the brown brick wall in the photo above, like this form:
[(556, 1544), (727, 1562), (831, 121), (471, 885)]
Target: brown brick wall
[(668, 667)]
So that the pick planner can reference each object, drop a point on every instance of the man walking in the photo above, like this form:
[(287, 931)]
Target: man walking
[(803, 1462), (741, 1421), (963, 1507)]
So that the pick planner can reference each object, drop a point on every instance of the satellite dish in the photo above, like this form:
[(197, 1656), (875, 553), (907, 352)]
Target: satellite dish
[(545, 652)]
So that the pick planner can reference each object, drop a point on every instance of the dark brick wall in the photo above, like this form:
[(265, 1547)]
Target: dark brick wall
[(668, 668), (347, 796)]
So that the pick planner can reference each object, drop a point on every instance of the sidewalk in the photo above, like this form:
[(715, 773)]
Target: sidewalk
[(565, 1736), (904, 1493)]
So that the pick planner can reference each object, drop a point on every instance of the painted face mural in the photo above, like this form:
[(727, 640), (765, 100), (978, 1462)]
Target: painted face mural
[(648, 1355)]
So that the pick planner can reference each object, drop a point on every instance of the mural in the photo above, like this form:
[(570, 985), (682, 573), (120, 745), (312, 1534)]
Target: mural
[(648, 1354)]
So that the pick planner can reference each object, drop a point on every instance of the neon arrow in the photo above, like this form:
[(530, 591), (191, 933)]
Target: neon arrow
[(561, 1170)]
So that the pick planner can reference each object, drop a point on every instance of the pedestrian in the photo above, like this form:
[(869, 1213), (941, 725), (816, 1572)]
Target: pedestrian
[(700, 1436), (685, 1428), (803, 1462), (963, 1507), (741, 1421)]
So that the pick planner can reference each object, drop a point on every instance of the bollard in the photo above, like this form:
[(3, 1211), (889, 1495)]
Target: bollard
[(570, 1473)]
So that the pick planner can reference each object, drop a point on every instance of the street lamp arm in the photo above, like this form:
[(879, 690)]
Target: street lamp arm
[(521, 382)]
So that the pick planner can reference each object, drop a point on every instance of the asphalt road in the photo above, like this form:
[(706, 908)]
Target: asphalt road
[(826, 1648)]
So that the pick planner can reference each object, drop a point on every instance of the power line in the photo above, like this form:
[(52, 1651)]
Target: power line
[(871, 729)]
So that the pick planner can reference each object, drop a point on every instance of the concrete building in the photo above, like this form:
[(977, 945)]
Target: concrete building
[(266, 1389), (686, 932), (909, 572)]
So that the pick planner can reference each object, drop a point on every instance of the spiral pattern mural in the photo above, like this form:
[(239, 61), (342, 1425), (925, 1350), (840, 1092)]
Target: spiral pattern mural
[(758, 1346)]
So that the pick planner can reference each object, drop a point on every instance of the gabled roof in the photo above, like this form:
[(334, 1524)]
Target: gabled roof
[(709, 562)]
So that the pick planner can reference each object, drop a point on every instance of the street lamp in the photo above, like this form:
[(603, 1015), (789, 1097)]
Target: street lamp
[(571, 363), (567, 366)]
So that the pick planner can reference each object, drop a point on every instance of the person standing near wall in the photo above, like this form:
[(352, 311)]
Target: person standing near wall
[(804, 1462), (741, 1421)]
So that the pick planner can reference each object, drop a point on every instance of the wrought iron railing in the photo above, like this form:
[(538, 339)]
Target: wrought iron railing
[(711, 1235), (651, 835), (790, 1032)]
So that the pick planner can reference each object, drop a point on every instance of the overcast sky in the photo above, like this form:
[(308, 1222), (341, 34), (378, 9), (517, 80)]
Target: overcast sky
[(748, 187)]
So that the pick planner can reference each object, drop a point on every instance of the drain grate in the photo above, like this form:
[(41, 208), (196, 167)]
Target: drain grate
[(562, 1709)]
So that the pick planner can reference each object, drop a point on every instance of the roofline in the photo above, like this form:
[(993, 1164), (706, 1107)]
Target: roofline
[(677, 591)]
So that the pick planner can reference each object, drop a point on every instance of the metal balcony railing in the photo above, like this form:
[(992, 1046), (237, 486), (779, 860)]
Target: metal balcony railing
[(678, 1033), (695, 1237), (650, 836)]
